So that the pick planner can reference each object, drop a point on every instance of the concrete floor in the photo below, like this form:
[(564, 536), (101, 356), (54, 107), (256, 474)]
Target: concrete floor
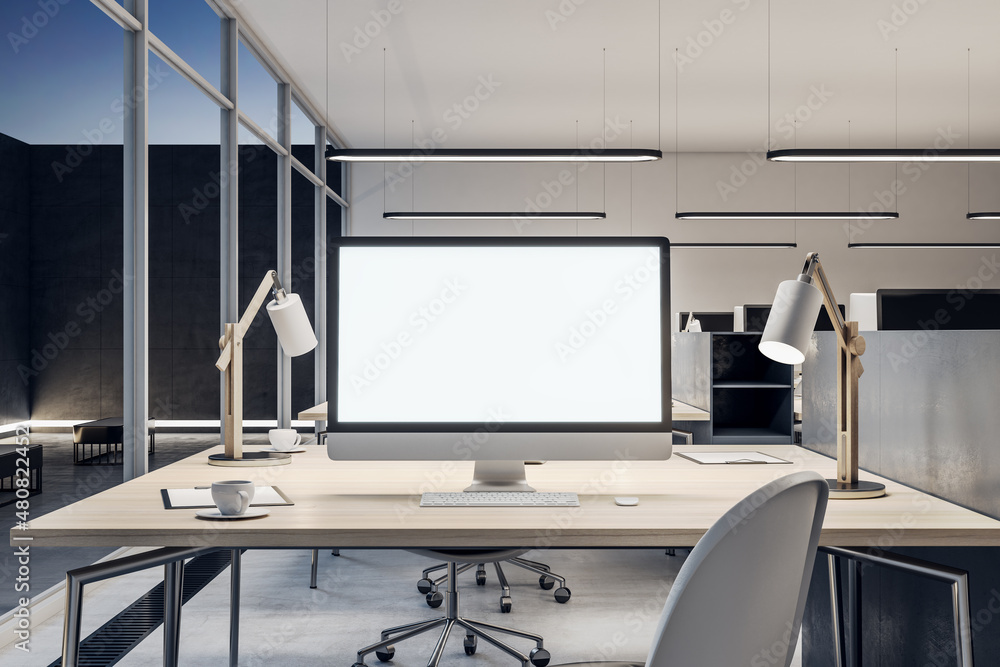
[(617, 599)]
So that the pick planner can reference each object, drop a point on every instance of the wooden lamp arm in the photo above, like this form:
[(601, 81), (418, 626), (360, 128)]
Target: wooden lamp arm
[(267, 284)]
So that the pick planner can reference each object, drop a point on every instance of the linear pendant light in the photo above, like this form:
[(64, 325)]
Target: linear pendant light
[(492, 155), (785, 215), (722, 246), (983, 215), (922, 245), (494, 215), (884, 155)]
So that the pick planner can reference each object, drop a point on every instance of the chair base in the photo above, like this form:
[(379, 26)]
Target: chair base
[(385, 650), (546, 581)]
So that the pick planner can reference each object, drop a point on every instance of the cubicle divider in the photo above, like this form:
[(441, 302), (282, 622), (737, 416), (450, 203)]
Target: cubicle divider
[(929, 419)]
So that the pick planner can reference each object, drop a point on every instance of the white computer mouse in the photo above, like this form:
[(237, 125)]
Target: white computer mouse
[(626, 501)]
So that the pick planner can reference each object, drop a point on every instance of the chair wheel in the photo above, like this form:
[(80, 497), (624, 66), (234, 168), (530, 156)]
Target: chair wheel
[(425, 585), (546, 583), (385, 655), (539, 657), (480, 578), (434, 599), (562, 595), (470, 644), (505, 604)]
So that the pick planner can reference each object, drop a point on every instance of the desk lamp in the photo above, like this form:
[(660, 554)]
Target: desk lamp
[(296, 338), (786, 337)]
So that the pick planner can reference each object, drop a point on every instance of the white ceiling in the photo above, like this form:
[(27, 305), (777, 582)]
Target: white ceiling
[(549, 58)]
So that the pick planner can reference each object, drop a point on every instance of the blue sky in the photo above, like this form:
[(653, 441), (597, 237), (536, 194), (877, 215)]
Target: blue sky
[(61, 64)]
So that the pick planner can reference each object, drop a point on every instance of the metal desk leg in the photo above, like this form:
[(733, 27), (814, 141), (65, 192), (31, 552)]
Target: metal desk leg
[(77, 579), (963, 620), (315, 568), (956, 578), (836, 595), (852, 625), (173, 597), (234, 607), (71, 620)]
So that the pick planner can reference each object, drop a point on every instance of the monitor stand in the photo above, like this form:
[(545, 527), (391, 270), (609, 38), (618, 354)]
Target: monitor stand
[(499, 476)]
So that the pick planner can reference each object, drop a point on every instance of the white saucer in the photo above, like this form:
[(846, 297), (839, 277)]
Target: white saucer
[(251, 513), (295, 450)]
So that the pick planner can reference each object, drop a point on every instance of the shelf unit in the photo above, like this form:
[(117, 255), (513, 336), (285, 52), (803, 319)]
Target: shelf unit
[(752, 397)]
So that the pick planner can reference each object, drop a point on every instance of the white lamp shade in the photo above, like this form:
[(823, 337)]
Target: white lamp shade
[(292, 325), (790, 324)]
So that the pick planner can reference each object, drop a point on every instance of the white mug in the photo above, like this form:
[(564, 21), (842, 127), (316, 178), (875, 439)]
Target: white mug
[(284, 439), (232, 496)]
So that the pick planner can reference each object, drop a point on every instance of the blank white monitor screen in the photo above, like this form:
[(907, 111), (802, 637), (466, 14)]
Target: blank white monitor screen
[(523, 334)]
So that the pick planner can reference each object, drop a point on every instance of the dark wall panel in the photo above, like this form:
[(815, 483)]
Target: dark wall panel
[(15, 280), (76, 266)]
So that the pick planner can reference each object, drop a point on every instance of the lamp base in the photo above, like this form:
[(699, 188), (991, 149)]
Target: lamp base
[(251, 459), (857, 491)]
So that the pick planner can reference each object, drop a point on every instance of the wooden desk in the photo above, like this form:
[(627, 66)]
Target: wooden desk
[(375, 504), (681, 412)]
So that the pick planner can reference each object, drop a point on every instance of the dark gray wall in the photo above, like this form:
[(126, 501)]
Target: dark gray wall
[(14, 280), (75, 212)]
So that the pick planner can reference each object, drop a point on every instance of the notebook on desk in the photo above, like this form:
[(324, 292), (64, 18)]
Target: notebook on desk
[(201, 498)]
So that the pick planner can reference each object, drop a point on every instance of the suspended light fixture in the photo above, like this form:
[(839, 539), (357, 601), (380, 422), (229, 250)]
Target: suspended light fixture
[(494, 215), (984, 215), (785, 215), (492, 155), (923, 245), (884, 155), (723, 246)]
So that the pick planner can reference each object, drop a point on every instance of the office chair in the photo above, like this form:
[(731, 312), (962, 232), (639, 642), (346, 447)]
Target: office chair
[(739, 597), (546, 581), (385, 649)]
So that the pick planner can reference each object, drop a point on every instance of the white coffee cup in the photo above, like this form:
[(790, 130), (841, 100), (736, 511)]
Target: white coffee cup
[(232, 496), (284, 439)]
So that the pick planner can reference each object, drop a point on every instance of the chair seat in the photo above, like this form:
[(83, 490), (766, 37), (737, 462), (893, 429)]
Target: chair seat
[(470, 555)]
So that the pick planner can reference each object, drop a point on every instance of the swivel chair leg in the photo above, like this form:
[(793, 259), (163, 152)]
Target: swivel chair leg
[(505, 600), (385, 650), (548, 578)]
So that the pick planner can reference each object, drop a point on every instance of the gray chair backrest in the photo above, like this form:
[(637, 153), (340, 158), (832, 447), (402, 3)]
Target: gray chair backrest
[(738, 599)]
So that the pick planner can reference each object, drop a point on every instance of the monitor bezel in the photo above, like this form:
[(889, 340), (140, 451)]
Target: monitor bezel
[(334, 425), (892, 292)]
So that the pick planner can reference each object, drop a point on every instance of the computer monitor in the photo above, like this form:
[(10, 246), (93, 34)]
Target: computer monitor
[(716, 322), (755, 317), (499, 350), (947, 309)]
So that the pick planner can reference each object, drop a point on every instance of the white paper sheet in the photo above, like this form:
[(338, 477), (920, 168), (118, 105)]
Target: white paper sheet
[(735, 458)]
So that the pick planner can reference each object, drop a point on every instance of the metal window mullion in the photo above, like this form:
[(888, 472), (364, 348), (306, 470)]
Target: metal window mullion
[(135, 251), (229, 194), (272, 64), (335, 197), (320, 248), (284, 267), (136, 247), (346, 215), (118, 14), (306, 171), (262, 134), (157, 46)]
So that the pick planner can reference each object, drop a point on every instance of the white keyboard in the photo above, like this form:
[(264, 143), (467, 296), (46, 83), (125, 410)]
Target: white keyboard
[(500, 499)]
